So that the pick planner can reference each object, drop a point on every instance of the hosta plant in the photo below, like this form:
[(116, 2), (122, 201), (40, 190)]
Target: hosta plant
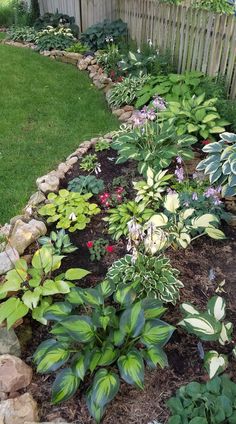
[(149, 276), (120, 216), (105, 342), (89, 163), (177, 228), (26, 34), (204, 403), (153, 145), (102, 145), (86, 184), (196, 116), (125, 92), (71, 211), (33, 286), (220, 164), (52, 38), (150, 192), (59, 242)]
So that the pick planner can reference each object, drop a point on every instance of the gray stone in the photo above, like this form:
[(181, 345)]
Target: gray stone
[(118, 112), (63, 167), (24, 234), (72, 161), (72, 55), (8, 259), (19, 410), (9, 343), (36, 199), (48, 183)]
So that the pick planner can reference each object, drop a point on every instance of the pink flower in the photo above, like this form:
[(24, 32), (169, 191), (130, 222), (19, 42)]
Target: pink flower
[(89, 244), (110, 249), (205, 142)]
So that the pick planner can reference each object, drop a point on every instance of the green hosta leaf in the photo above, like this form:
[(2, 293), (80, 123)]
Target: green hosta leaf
[(81, 364), (76, 273), (42, 349), (38, 313), (216, 130), (108, 355), (55, 356), (106, 288), (64, 386), (132, 320), (210, 117), (125, 294), (94, 360), (217, 307), (51, 287), (57, 311), (215, 233), (95, 411), (153, 308), (187, 308), (215, 363), (131, 368), (79, 327), (212, 148), (11, 310), (156, 332), (226, 333), (75, 297), (92, 297), (215, 176), (155, 355), (104, 388), (31, 298)]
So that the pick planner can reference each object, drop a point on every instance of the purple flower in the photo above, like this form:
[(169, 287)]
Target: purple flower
[(179, 160), (194, 196), (179, 173), (159, 103), (170, 191), (214, 193)]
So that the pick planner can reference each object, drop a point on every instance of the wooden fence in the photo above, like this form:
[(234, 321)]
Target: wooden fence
[(197, 39)]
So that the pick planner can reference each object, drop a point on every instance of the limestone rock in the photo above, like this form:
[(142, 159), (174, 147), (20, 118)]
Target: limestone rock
[(118, 112), (36, 199), (63, 167), (48, 183), (72, 55), (24, 234), (7, 259), (19, 410), (84, 63), (9, 343), (14, 374), (125, 116)]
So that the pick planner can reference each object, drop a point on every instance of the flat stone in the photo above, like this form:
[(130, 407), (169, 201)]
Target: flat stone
[(5, 230), (14, 374), (117, 112), (63, 167), (9, 343), (70, 60), (24, 234), (125, 116), (48, 183), (36, 199), (46, 53), (14, 219), (19, 410), (72, 161), (8, 259)]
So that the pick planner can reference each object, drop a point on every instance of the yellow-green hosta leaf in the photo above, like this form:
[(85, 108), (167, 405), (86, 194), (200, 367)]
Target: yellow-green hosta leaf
[(31, 298), (156, 332), (172, 202), (106, 288), (187, 213), (159, 220), (215, 233), (153, 308), (204, 220), (92, 296), (57, 311), (131, 368), (80, 364), (42, 349), (108, 355), (104, 388), (132, 320), (55, 356), (76, 274), (64, 386), (75, 297), (216, 306), (79, 327), (215, 363), (155, 355)]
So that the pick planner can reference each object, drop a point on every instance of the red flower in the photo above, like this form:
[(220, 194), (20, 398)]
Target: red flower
[(205, 142), (110, 249), (89, 244), (119, 190)]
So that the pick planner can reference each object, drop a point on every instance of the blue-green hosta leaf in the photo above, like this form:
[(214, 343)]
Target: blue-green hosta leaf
[(106, 288), (125, 294), (42, 349), (155, 355), (213, 147), (215, 363), (104, 388), (81, 364), (64, 386), (131, 368), (92, 296), (57, 311), (79, 327), (216, 306), (205, 326), (75, 297), (108, 355), (215, 176), (95, 411), (95, 358), (132, 320), (229, 137), (76, 273), (153, 308), (232, 181), (226, 169), (55, 356), (117, 337), (156, 332)]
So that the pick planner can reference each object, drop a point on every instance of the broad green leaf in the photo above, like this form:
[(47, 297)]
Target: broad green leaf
[(132, 320), (108, 355), (81, 363), (38, 313), (187, 308), (156, 332), (153, 308), (216, 306), (106, 288), (42, 349), (57, 311), (215, 233), (31, 298), (79, 327), (64, 386), (75, 297), (11, 310), (92, 296), (55, 356), (105, 387), (125, 294), (131, 368), (155, 355), (76, 273), (95, 411), (204, 220), (159, 220)]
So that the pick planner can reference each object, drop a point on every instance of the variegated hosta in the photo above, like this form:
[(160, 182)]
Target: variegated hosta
[(215, 363), (178, 227), (109, 342), (149, 276), (220, 164), (150, 192)]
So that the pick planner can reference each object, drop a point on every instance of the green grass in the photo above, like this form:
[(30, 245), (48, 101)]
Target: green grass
[(47, 109)]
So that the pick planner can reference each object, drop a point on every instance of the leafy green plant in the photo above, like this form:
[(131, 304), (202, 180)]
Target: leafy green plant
[(108, 60), (219, 6), (195, 116), (71, 211), (220, 165), (78, 48), (33, 286), (125, 92), (59, 242), (89, 163), (150, 192), (56, 20), (25, 34), (86, 184), (97, 36), (204, 403), (107, 342), (52, 38), (97, 249), (227, 109), (153, 145), (149, 276), (120, 216), (102, 145)]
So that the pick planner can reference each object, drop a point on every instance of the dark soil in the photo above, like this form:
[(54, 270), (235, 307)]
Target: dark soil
[(202, 266)]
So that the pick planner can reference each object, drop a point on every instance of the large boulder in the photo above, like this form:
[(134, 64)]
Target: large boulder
[(19, 410), (9, 343), (48, 183), (24, 234), (8, 259), (14, 374)]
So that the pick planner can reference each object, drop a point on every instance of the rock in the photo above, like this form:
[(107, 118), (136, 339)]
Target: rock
[(7, 259), (70, 60), (46, 53), (5, 230), (14, 374), (19, 410), (128, 108), (84, 63), (63, 167), (9, 343), (36, 199), (70, 162), (24, 234), (98, 84), (125, 116), (72, 55), (48, 183), (16, 218), (118, 112)]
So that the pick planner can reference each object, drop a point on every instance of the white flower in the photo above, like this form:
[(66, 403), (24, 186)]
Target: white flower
[(72, 217), (97, 170), (149, 41)]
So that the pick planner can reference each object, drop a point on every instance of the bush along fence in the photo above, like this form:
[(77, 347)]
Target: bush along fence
[(197, 39)]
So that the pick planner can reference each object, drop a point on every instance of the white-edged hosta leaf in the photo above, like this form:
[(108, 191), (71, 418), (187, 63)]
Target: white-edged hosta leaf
[(216, 306), (205, 326), (156, 332), (204, 220), (131, 368), (215, 363), (159, 220), (188, 308), (226, 333), (215, 233), (65, 385)]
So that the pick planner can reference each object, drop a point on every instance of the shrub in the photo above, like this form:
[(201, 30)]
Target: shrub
[(25, 34), (206, 403), (110, 343), (227, 109), (97, 36), (78, 48), (150, 192), (71, 211), (220, 165), (125, 92), (56, 20), (54, 38), (86, 184), (219, 6)]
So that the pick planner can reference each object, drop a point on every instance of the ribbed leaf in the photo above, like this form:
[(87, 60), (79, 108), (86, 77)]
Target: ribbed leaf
[(54, 357), (132, 320), (131, 368), (104, 388), (153, 308), (57, 311), (155, 355), (42, 349), (64, 386), (81, 363), (74, 297), (156, 332), (79, 327)]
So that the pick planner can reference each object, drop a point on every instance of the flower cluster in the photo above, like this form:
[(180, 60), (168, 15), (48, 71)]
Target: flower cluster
[(179, 170), (112, 199), (109, 248), (213, 193)]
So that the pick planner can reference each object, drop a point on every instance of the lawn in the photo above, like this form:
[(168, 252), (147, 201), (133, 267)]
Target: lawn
[(47, 109)]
